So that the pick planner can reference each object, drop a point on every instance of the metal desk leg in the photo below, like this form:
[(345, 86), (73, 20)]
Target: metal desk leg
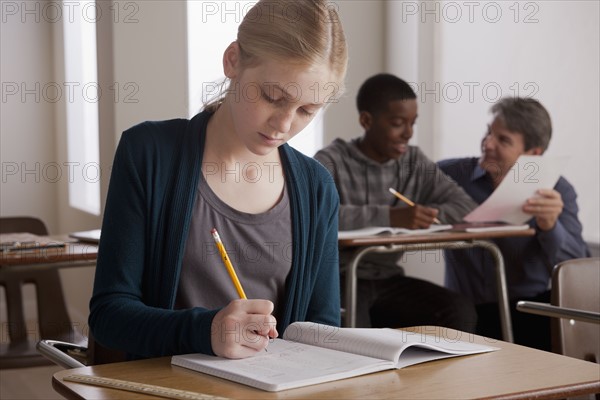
[(505, 320), (350, 319)]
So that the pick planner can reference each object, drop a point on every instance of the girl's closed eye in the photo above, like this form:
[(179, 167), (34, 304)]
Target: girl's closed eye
[(266, 97), (272, 100), (306, 112)]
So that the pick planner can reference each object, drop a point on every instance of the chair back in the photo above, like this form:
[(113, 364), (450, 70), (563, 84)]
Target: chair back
[(23, 224), (576, 284)]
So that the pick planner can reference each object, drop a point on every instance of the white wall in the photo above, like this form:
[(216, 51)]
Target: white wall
[(150, 62), (27, 146), (555, 59), (364, 29)]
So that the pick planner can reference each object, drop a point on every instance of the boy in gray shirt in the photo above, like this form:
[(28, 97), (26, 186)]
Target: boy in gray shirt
[(363, 170)]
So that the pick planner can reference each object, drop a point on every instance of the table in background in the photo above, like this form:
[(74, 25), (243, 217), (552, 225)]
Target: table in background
[(40, 267), (513, 372), (444, 240)]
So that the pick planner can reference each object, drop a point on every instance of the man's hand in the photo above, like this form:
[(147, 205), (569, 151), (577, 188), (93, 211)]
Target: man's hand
[(546, 207), (243, 328), (417, 217)]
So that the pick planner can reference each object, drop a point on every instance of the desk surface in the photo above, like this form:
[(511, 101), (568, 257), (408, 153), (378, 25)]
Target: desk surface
[(514, 372), (73, 251), (434, 237)]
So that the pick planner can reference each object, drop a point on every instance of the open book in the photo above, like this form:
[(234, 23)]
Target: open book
[(386, 230), (311, 353)]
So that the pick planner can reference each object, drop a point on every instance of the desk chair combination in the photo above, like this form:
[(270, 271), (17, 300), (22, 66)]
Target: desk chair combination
[(576, 305), (72, 355), (53, 320)]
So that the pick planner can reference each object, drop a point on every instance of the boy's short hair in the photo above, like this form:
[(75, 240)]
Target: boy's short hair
[(379, 90), (526, 116)]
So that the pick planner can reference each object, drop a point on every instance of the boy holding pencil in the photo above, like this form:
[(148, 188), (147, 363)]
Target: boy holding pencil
[(364, 170)]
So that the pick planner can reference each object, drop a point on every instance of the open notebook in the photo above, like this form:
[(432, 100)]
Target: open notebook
[(386, 230), (311, 353)]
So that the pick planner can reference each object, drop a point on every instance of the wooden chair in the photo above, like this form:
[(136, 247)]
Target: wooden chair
[(53, 320), (23, 224), (576, 304)]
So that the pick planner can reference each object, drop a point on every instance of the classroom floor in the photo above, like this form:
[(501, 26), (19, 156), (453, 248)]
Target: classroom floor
[(25, 383), (28, 383), (36, 383)]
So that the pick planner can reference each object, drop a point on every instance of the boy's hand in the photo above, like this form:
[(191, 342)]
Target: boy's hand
[(417, 217)]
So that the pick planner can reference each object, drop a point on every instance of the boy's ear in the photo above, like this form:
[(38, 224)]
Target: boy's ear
[(365, 119), (231, 60)]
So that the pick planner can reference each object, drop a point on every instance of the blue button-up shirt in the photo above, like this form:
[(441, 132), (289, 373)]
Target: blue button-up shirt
[(528, 260)]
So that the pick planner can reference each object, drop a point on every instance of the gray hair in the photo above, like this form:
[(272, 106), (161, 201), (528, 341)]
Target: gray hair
[(526, 116)]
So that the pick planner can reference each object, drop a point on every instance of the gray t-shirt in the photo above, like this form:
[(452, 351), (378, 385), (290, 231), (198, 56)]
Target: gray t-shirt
[(259, 247)]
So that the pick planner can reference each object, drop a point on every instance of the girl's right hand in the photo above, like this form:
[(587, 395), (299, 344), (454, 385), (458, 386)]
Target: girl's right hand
[(243, 328)]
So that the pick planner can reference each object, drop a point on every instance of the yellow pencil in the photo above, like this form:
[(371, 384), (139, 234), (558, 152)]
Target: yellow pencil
[(228, 265), (407, 201)]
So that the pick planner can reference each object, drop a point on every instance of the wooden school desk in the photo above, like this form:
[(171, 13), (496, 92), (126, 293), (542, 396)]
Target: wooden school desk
[(18, 267), (513, 372), (444, 240)]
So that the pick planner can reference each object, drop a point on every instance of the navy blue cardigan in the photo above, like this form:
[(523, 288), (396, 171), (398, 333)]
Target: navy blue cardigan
[(146, 221)]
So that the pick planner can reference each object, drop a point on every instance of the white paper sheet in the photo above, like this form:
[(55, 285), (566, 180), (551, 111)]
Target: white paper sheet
[(529, 174)]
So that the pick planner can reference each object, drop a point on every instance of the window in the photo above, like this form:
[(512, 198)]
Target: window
[(82, 94)]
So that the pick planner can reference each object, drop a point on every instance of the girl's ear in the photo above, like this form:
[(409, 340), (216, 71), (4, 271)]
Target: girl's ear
[(365, 118), (231, 60)]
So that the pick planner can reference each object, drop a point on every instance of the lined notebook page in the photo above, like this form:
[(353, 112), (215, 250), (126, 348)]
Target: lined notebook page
[(285, 365), (386, 344)]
